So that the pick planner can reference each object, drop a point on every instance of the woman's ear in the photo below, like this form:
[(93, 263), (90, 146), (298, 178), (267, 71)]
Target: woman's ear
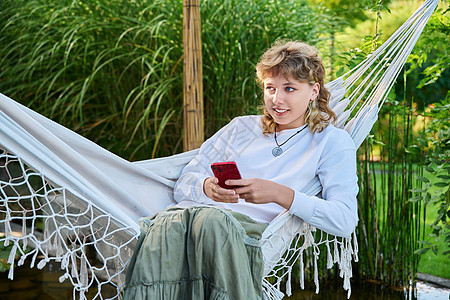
[(315, 91)]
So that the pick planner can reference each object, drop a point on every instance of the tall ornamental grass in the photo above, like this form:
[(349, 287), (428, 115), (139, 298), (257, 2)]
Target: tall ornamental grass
[(390, 225), (112, 70)]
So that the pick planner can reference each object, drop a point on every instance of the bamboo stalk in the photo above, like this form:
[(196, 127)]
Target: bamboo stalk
[(193, 76)]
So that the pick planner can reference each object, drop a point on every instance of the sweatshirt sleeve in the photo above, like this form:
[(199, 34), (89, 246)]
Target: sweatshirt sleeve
[(335, 211), (190, 184)]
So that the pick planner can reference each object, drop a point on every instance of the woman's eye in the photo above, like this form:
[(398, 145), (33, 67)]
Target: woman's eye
[(289, 89), (269, 88)]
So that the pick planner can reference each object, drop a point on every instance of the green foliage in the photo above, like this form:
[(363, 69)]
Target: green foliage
[(345, 12), (113, 70), (433, 47), (427, 69), (435, 193)]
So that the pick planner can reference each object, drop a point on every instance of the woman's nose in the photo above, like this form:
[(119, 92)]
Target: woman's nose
[(276, 97)]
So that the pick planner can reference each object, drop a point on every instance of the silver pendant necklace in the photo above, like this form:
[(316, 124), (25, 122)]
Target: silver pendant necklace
[(277, 151)]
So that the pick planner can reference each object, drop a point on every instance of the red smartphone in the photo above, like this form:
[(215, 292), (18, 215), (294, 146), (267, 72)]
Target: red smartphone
[(224, 171)]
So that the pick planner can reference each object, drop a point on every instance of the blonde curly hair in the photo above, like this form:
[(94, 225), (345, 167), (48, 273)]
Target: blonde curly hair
[(301, 62)]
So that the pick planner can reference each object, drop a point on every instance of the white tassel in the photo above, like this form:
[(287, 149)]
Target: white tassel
[(288, 283), (11, 272), (316, 274), (24, 232), (74, 271), (12, 255), (302, 271), (33, 260), (83, 271), (336, 252), (22, 260), (65, 261), (119, 267), (25, 244), (346, 283), (46, 241), (348, 243), (343, 258), (329, 257), (11, 258), (45, 231), (59, 248), (42, 263), (63, 277), (355, 245), (7, 232), (54, 245)]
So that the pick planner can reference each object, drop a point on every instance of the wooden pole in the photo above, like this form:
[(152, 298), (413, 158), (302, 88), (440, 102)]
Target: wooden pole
[(193, 76)]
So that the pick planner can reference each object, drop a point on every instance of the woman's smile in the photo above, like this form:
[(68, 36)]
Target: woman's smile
[(280, 112)]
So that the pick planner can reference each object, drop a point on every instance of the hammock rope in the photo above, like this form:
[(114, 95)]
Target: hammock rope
[(66, 199)]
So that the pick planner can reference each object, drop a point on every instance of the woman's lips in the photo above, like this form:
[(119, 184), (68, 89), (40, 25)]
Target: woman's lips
[(280, 112)]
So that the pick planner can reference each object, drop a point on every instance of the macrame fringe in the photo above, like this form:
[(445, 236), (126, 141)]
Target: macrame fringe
[(24, 231), (329, 256), (316, 274), (355, 246), (33, 259), (302, 271), (8, 231), (12, 255), (75, 266), (83, 271), (344, 250), (288, 283), (74, 271)]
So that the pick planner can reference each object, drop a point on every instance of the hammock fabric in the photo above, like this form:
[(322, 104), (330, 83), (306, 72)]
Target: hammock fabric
[(90, 199)]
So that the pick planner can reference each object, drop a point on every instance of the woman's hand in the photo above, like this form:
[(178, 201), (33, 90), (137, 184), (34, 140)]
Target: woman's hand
[(217, 193), (259, 191)]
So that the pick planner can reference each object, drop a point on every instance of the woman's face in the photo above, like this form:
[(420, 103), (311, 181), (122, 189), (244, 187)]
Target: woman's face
[(287, 100)]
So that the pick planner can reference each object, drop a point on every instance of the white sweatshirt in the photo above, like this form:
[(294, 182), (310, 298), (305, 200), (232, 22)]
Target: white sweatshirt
[(330, 154)]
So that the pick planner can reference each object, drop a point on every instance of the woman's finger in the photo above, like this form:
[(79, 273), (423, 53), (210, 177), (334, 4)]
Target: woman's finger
[(237, 182), (225, 195)]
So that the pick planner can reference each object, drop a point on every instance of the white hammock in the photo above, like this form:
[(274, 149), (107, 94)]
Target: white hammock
[(90, 199)]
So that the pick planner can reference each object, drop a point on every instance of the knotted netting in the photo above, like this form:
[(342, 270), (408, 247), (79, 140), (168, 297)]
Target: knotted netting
[(66, 199), (46, 222)]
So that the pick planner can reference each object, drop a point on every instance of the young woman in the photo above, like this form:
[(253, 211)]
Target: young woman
[(207, 246)]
